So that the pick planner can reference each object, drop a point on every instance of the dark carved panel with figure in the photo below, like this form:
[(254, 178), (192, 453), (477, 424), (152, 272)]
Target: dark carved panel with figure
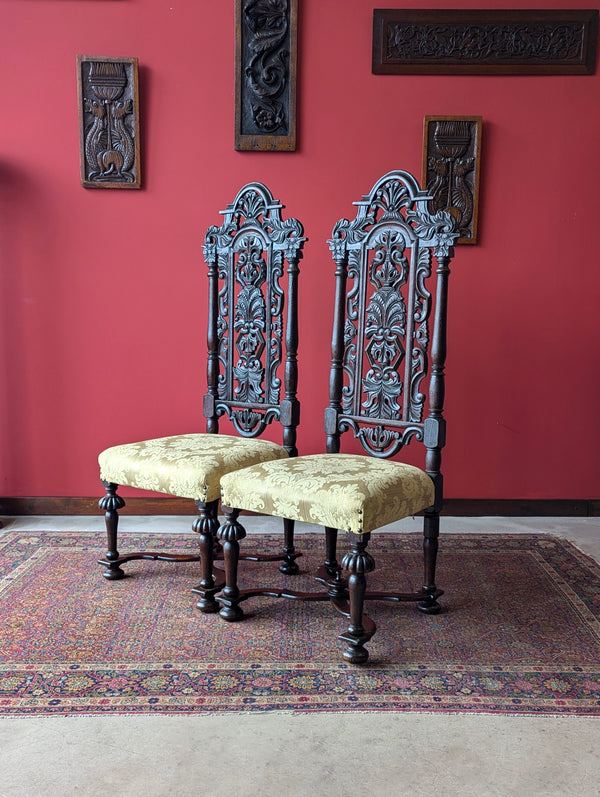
[(451, 166), (108, 122), (266, 55), (247, 257), (519, 42)]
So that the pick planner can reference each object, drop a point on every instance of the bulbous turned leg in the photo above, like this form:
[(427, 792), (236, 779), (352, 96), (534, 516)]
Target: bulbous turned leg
[(358, 563), (289, 566), (110, 504), (431, 531), (230, 533), (206, 525)]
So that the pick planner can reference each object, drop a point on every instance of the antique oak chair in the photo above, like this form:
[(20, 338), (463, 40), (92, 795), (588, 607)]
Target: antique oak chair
[(382, 357), (252, 338)]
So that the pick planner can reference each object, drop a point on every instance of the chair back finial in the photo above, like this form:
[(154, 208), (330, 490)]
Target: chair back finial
[(382, 349), (253, 320)]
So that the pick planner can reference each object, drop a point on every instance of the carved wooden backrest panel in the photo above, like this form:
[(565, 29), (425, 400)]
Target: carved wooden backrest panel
[(383, 348), (253, 326)]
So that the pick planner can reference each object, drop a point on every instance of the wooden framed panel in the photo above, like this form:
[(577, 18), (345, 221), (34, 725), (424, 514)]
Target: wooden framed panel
[(266, 34), (109, 134), (477, 42), (451, 167)]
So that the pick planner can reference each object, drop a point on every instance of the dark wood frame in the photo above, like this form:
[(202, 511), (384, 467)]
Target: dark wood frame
[(469, 186), (438, 29), (130, 177), (281, 142)]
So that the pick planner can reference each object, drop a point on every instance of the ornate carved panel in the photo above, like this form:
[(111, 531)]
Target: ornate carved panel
[(520, 42), (265, 74), (381, 355), (108, 122), (451, 166), (246, 257)]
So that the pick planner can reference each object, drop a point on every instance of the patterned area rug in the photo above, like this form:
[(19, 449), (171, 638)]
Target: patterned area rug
[(519, 632)]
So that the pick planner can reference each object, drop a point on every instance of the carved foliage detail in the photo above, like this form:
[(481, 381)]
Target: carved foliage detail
[(487, 42), (250, 321), (385, 328), (484, 41)]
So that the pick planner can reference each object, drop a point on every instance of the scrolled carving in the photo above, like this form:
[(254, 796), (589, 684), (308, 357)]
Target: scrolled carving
[(266, 74)]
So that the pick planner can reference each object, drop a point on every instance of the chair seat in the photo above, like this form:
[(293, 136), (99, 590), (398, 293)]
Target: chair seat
[(187, 466), (345, 491)]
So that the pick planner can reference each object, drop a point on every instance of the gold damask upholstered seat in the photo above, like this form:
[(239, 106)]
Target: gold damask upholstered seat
[(252, 380), (387, 388), (344, 491), (186, 466)]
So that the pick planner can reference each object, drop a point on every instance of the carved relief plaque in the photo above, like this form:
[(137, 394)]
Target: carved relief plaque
[(108, 122), (519, 42), (451, 161), (265, 74)]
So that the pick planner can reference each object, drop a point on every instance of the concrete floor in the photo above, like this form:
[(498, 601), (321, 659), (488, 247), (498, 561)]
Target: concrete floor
[(281, 754)]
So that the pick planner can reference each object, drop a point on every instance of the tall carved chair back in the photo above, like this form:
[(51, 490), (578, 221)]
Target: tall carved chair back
[(386, 388), (253, 265), (248, 315)]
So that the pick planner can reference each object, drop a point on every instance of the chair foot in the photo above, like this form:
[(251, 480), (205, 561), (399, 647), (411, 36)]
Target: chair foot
[(429, 606), (355, 653), (113, 572), (206, 603), (232, 613), (289, 567)]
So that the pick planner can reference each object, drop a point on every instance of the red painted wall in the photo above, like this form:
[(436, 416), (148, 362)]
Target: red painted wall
[(103, 293)]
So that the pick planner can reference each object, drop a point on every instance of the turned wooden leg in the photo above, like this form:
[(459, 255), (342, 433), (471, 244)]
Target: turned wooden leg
[(111, 503), (358, 563), (289, 566), (331, 562), (230, 533), (206, 525), (431, 531)]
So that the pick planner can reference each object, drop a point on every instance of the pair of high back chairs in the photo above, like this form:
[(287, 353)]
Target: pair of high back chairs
[(386, 387)]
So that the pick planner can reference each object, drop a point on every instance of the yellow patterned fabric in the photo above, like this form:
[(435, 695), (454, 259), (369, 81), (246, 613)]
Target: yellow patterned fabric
[(345, 491), (188, 465)]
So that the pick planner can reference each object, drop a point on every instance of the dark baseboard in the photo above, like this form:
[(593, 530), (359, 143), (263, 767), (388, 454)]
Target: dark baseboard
[(458, 507)]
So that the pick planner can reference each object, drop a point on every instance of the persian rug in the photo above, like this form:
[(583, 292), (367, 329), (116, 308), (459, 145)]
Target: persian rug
[(519, 632)]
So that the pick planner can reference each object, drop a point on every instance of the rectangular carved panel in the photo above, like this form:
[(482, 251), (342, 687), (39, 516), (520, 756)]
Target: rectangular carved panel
[(265, 74), (519, 42), (109, 149), (451, 165)]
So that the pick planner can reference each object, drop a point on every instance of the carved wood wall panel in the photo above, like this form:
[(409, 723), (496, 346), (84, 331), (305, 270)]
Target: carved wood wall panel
[(108, 122), (451, 167), (522, 42), (265, 74)]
